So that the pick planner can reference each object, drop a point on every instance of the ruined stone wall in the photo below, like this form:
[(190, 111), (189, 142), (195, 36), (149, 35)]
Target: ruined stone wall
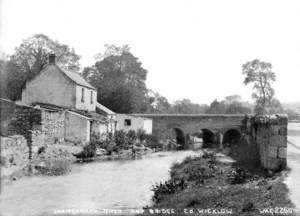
[(16, 119), (40, 127), (270, 135), (14, 155)]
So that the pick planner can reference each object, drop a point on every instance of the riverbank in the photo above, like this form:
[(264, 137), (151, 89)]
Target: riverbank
[(214, 182)]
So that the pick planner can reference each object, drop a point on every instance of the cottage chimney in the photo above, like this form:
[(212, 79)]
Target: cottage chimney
[(52, 58)]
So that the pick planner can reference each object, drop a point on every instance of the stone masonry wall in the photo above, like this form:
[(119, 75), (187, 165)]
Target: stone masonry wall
[(53, 126), (14, 155), (270, 135), (16, 119), (40, 127)]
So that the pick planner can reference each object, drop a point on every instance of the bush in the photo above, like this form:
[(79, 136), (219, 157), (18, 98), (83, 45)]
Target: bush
[(169, 187), (88, 151), (141, 135), (120, 139), (131, 138), (55, 167), (151, 141), (236, 176)]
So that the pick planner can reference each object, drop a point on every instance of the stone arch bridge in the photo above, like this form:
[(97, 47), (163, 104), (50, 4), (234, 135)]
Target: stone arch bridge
[(264, 136), (214, 128)]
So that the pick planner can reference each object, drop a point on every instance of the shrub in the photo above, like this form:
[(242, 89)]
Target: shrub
[(151, 141), (55, 167), (141, 135), (88, 151), (131, 137), (120, 139), (169, 187), (236, 176)]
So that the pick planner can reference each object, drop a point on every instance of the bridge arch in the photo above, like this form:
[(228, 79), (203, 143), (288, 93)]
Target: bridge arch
[(180, 137), (208, 137), (175, 137), (231, 137)]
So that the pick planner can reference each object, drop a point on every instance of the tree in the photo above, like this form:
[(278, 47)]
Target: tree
[(274, 107), (260, 74), (217, 107), (185, 106), (120, 80), (158, 103), (237, 108), (30, 58), (233, 98)]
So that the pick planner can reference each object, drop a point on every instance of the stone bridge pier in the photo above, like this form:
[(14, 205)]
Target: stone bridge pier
[(252, 139)]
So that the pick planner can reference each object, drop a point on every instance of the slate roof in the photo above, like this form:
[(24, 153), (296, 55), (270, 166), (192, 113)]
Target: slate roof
[(104, 110), (74, 77), (78, 79)]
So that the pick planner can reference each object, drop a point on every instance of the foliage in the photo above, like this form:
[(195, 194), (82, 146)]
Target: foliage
[(236, 176), (232, 105), (30, 58), (237, 108), (151, 141), (216, 107), (141, 135), (89, 151), (185, 106), (120, 78), (261, 75), (121, 139), (131, 137), (274, 107), (158, 103), (56, 167), (166, 188)]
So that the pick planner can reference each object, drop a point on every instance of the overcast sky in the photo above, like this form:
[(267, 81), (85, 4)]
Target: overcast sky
[(191, 48)]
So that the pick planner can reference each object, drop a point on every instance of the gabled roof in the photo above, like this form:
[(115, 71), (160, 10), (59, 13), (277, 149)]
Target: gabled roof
[(74, 77), (104, 109)]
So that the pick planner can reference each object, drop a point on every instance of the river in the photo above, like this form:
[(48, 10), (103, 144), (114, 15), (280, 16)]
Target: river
[(293, 162), (96, 185)]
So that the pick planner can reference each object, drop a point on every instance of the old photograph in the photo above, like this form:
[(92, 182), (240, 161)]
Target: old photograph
[(149, 107)]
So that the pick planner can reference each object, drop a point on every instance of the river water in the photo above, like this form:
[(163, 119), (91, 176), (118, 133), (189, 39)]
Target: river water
[(293, 161), (115, 184), (97, 185)]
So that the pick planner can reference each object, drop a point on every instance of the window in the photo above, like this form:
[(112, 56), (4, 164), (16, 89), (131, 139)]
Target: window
[(92, 97), (127, 122), (82, 95)]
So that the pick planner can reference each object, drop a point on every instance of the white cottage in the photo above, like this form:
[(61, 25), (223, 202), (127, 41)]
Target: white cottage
[(127, 122), (61, 88), (68, 90)]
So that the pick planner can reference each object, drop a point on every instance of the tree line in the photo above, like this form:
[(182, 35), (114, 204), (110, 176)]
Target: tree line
[(120, 79)]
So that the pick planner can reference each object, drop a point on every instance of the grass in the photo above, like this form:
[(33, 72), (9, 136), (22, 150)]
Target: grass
[(215, 185)]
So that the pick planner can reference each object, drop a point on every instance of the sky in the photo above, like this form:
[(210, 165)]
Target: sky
[(191, 48)]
